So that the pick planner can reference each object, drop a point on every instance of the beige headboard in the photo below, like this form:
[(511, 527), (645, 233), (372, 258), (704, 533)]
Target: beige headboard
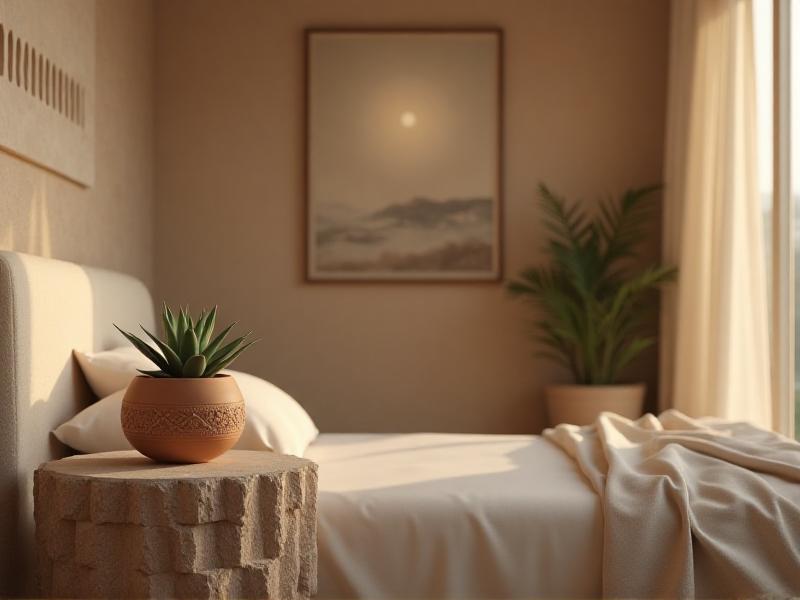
[(47, 309)]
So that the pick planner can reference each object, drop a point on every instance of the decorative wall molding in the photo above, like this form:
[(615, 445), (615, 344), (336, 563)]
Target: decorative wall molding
[(47, 66)]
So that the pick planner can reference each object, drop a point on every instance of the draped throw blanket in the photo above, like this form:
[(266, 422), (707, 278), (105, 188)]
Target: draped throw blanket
[(692, 508)]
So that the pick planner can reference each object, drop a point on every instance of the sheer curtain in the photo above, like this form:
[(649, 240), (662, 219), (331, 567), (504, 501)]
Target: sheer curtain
[(714, 323)]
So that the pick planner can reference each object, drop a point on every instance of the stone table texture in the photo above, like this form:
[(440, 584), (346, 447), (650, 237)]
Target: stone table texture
[(116, 524)]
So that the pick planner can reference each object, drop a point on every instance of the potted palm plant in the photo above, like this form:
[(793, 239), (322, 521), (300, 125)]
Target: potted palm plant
[(595, 302), (184, 410)]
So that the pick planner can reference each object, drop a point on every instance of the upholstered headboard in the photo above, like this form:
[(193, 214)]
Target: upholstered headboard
[(47, 309)]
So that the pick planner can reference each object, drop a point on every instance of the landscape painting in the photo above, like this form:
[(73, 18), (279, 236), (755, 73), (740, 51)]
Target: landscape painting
[(403, 155)]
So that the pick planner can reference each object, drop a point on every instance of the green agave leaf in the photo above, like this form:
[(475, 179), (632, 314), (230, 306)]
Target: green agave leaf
[(173, 360), (187, 348), (200, 324), (169, 327), (159, 374), (209, 350), (194, 366), (208, 329), (166, 313), (189, 345), (145, 349), (217, 366), (229, 348), (182, 326)]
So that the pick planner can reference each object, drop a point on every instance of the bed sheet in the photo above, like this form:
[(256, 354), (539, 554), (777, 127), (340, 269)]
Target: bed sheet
[(454, 515)]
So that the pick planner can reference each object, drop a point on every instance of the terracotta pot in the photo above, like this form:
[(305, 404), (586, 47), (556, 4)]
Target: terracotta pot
[(582, 404), (183, 420)]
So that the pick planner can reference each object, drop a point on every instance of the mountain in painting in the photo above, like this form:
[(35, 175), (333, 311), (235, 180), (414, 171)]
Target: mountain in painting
[(423, 234)]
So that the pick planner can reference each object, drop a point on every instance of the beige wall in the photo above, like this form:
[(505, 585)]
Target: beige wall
[(109, 224), (585, 92)]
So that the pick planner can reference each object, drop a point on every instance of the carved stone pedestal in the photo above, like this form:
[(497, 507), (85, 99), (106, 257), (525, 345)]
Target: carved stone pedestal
[(119, 525)]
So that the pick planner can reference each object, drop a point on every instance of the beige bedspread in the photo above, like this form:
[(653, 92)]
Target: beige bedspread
[(453, 516), (692, 507)]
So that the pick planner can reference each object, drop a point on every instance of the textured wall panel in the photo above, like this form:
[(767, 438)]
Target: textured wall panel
[(47, 64)]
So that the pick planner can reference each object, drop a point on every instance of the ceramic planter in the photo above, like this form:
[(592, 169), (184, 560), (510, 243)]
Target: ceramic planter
[(183, 420), (582, 404)]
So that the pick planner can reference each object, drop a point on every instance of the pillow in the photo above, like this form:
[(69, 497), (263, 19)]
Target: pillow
[(274, 421), (112, 370)]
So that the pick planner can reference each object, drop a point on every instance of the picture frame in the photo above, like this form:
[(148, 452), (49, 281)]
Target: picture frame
[(403, 154)]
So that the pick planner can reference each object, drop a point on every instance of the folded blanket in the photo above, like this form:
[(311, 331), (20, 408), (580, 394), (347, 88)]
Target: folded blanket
[(692, 507)]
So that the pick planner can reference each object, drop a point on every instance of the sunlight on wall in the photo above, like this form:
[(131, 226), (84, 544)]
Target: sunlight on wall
[(39, 235), (7, 236)]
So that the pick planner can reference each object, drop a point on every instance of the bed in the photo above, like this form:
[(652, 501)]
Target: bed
[(454, 516), (413, 515)]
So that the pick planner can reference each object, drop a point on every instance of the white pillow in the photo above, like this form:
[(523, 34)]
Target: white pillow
[(112, 370), (274, 421)]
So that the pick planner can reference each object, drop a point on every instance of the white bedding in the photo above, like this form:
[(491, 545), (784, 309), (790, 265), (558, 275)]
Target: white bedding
[(454, 515)]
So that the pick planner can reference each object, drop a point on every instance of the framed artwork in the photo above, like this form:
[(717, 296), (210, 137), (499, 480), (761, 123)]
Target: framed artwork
[(403, 154)]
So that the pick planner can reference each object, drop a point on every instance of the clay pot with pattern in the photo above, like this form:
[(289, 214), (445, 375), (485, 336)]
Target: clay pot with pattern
[(183, 420)]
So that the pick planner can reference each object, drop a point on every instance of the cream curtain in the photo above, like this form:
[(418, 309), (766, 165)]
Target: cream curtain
[(714, 324)]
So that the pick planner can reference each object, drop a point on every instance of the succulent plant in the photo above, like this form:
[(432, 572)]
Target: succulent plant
[(187, 348)]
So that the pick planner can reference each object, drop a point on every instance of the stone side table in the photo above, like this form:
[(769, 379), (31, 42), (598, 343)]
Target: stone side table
[(117, 524)]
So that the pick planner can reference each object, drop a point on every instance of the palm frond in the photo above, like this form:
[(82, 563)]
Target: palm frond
[(594, 305), (623, 222), (567, 224)]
